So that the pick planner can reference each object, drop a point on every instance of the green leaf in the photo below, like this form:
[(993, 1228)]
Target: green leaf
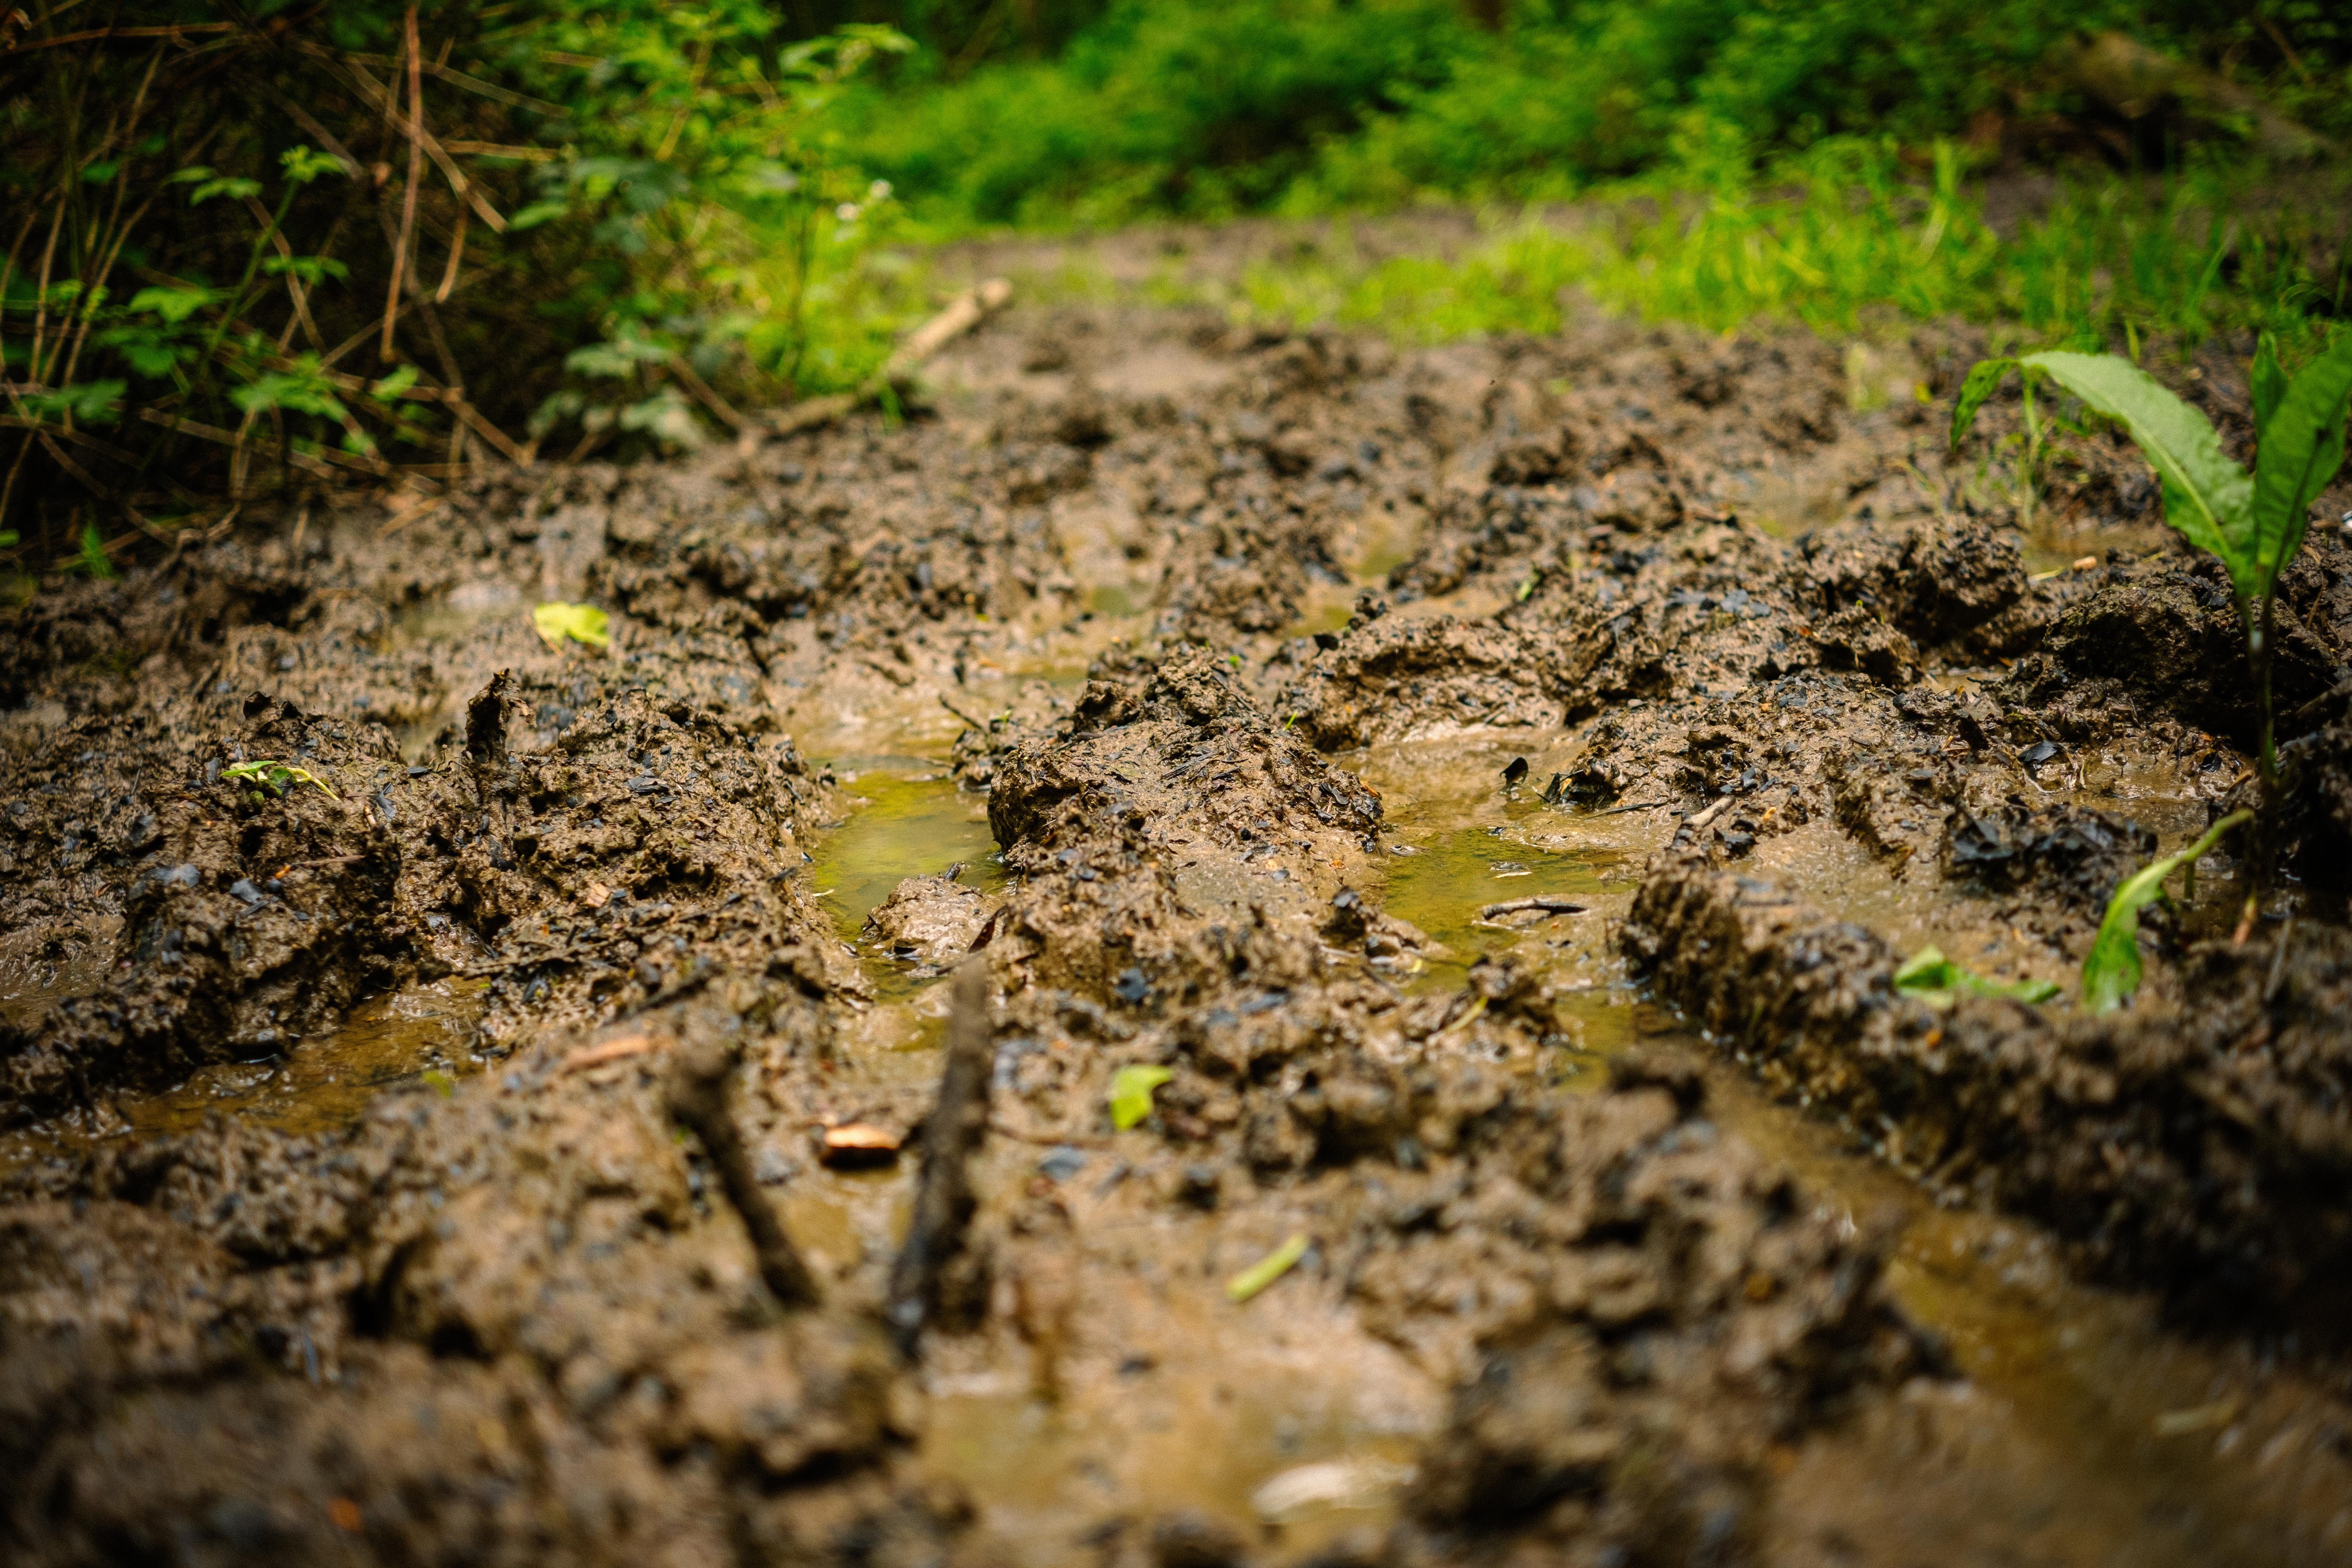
[(2111, 971), (93, 558), (175, 305), (1927, 970), (91, 402), (8, 539), (537, 213), (2266, 382), (310, 268), (278, 777), (236, 187), (304, 165), (2302, 446), (2206, 496), (1936, 980), (1266, 1270), (1982, 378), (580, 623), (293, 392), (392, 385), (1131, 1093)]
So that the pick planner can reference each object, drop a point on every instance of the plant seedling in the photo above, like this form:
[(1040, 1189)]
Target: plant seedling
[(278, 777), (2111, 971), (1131, 1093), (1936, 980), (582, 623), (2252, 523)]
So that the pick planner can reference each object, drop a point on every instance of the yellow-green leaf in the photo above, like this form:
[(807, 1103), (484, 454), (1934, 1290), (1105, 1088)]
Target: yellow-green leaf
[(1131, 1093), (1266, 1270), (580, 623)]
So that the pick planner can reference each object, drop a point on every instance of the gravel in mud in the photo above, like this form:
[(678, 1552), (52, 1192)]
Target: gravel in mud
[(1168, 595)]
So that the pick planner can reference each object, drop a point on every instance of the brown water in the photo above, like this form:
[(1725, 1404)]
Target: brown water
[(421, 1034)]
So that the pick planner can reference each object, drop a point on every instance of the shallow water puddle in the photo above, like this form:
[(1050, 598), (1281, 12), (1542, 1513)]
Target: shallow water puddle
[(907, 818), (422, 1033), (2085, 1433)]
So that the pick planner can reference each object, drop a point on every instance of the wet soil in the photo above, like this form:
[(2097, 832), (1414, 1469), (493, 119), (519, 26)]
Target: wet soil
[(1430, 836)]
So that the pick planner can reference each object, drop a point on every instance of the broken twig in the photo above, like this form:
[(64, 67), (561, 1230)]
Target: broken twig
[(953, 1134), (698, 1097)]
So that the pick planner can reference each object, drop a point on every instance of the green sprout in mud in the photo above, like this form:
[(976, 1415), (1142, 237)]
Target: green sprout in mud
[(2252, 523), (1936, 980), (278, 777), (2111, 973)]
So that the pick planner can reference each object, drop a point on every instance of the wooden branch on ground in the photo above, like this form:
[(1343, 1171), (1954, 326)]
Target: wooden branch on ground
[(962, 313)]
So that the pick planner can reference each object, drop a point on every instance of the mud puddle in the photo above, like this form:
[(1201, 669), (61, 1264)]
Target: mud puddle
[(421, 1034)]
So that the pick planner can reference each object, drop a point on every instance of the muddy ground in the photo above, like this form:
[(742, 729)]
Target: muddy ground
[(1490, 789)]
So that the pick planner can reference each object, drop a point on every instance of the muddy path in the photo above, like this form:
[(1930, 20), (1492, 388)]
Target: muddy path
[(1425, 840)]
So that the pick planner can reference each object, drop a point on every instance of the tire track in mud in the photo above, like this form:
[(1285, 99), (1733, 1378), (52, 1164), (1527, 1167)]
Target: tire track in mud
[(1545, 1314)]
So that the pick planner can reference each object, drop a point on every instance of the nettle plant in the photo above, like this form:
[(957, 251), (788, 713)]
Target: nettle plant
[(2253, 523)]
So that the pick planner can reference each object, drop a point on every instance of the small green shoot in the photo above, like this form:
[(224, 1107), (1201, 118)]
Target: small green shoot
[(92, 558), (580, 623), (278, 777), (2252, 523), (2111, 973), (1131, 1093), (1936, 980), (439, 1083), (1266, 1270)]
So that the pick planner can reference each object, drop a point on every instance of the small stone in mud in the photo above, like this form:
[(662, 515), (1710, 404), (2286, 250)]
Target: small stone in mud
[(1063, 1162)]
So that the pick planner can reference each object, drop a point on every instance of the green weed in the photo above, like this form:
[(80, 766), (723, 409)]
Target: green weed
[(278, 777), (2111, 971)]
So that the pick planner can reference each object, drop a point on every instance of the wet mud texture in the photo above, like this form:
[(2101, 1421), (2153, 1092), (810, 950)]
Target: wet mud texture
[(2203, 1146), (1148, 591)]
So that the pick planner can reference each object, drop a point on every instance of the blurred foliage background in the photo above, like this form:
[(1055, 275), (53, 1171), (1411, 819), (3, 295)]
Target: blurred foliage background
[(258, 249)]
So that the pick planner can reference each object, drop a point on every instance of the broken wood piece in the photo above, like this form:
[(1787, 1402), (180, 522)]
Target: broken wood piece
[(698, 1097), (952, 1135), (961, 314), (1528, 906), (619, 1049)]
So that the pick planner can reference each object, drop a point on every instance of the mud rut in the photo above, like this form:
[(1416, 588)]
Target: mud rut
[(1180, 680)]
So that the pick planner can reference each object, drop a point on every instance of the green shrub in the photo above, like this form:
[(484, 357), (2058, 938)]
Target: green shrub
[(230, 262)]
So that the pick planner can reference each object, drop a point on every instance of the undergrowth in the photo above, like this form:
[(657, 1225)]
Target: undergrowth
[(1845, 237), (257, 248)]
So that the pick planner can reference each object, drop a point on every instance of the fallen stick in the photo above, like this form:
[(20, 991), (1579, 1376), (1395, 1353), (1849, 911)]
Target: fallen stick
[(962, 313), (698, 1097), (954, 1133), (1524, 906)]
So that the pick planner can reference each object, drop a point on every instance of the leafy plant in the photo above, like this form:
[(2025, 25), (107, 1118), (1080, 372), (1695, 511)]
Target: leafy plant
[(257, 249), (1130, 1094), (2252, 523), (1938, 982), (278, 777), (2111, 971)]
